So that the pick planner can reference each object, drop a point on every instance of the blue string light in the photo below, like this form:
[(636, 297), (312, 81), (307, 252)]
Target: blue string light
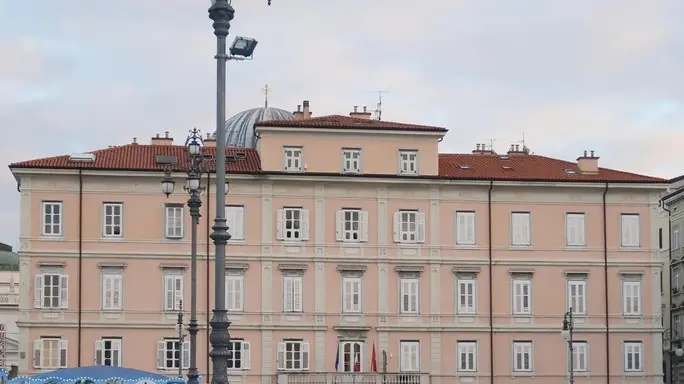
[(84, 379)]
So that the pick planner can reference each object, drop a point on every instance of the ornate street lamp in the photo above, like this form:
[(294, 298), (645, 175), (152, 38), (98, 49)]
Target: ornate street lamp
[(568, 327)]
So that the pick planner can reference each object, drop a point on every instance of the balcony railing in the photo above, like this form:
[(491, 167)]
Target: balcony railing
[(9, 298), (352, 378)]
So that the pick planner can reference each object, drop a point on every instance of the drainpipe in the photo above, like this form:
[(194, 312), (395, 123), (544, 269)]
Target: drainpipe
[(669, 289), (491, 283), (208, 277), (80, 263), (605, 281)]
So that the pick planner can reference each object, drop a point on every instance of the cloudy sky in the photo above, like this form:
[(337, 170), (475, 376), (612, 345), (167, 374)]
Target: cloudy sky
[(77, 75)]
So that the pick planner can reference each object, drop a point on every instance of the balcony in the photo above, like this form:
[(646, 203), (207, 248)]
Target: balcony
[(9, 299), (352, 378)]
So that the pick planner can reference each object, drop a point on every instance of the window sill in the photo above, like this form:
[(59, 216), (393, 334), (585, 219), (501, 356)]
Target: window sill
[(465, 246), (522, 373), (514, 247), (632, 374), (174, 239), (575, 247), (51, 238), (636, 248), (293, 316), (522, 319), (293, 171), (112, 238), (466, 317)]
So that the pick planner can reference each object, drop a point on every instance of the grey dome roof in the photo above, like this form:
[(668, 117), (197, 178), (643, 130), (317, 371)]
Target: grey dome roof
[(240, 127)]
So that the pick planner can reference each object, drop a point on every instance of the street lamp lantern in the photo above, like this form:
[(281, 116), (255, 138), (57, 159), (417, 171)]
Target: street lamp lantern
[(192, 183), (565, 332), (194, 143), (243, 46), (167, 183)]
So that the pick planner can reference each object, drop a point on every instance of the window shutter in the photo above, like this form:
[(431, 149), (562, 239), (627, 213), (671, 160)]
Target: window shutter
[(363, 217), (118, 289), (305, 224), (525, 233), (470, 228), (63, 353), (98, 352), (298, 294), (178, 292), (239, 223), (346, 295), (405, 357), (64, 291), (168, 294), (414, 296), (580, 230), (230, 292), (161, 346), (397, 227), (420, 219), (239, 292), (305, 356), (246, 355), (280, 223), (37, 352), (38, 291), (116, 353), (515, 229), (288, 298), (339, 224), (280, 356), (186, 354), (635, 231), (571, 230)]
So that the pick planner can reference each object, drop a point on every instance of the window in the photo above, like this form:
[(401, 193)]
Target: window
[(51, 291), (235, 293), (467, 356), (351, 161), (409, 295), (235, 219), (240, 354), (108, 352), (408, 162), (112, 287), (174, 221), (409, 227), (173, 292), (633, 356), (520, 229), (352, 356), (677, 323), (675, 237), (466, 296), (522, 356), (292, 159), (465, 228), (52, 218), (675, 281), (171, 353), (580, 356), (293, 224), (292, 293), (293, 355), (574, 225), (352, 225), (522, 296), (630, 230), (49, 353), (409, 360), (351, 294), (113, 223), (577, 296), (631, 295)]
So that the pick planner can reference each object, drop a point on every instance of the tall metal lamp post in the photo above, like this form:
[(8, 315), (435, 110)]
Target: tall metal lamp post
[(222, 13), (568, 326)]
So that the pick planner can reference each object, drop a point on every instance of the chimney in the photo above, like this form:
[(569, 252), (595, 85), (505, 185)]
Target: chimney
[(588, 163), (305, 111), (481, 149), (360, 115), (209, 142), (516, 150), (135, 140), (298, 114), (166, 140), (302, 114)]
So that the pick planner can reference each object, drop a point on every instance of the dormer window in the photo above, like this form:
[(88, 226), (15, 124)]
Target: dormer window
[(292, 159), (351, 160), (408, 162)]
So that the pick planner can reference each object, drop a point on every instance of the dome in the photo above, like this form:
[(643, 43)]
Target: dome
[(240, 127), (9, 261)]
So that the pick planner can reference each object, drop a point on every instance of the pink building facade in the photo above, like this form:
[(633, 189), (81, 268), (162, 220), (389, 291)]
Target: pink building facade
[(352, 238)]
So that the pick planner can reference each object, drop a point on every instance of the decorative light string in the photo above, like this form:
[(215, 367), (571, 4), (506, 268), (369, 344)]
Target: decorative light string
[(85, 379)]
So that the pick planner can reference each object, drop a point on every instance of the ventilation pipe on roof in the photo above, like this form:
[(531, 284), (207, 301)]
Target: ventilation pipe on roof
[(588, 163), (166, 140), (360, 115)]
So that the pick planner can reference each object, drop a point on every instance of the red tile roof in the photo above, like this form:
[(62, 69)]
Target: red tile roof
[(452, 166), (346, 122)]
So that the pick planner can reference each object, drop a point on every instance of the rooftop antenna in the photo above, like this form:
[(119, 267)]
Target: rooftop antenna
[(378, 107), (266, 90), (525, 149), (491, 144)]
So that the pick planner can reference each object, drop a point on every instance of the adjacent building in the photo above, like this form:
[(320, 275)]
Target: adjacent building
[(355, 244)]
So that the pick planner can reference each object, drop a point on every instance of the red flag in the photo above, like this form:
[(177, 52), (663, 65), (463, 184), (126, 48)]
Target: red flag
[(357, 362), (374, 362)]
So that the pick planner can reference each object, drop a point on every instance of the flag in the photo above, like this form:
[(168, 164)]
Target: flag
[(337, 359), (357, 362), (374, 361)]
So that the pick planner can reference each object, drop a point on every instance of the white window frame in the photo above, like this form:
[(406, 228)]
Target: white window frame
[(351, 225), (577, 301), (408, 162), (466, 356), (40, 351), (675, 279), (631, 294), (351, 160), (630, 230), (241, 356), (293, 294), (174, 294), (351, 294), (522, 348), (409, 356), (349, 359), (466, 303), (109, 230), (173, 221), (575, 229), (292, 355), (181, 347), (409, 295), (633, 348), (465, 228), (235, 219), (112, 285), (580, 357), (59, 297), (292, 224), (409, 227), (55, 229), (293, 159), (521, 229), (518, 300), (675, 238), (115, 352), (235, 293)]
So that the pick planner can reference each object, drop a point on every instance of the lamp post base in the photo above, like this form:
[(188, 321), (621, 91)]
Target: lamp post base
[(220, 343)]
